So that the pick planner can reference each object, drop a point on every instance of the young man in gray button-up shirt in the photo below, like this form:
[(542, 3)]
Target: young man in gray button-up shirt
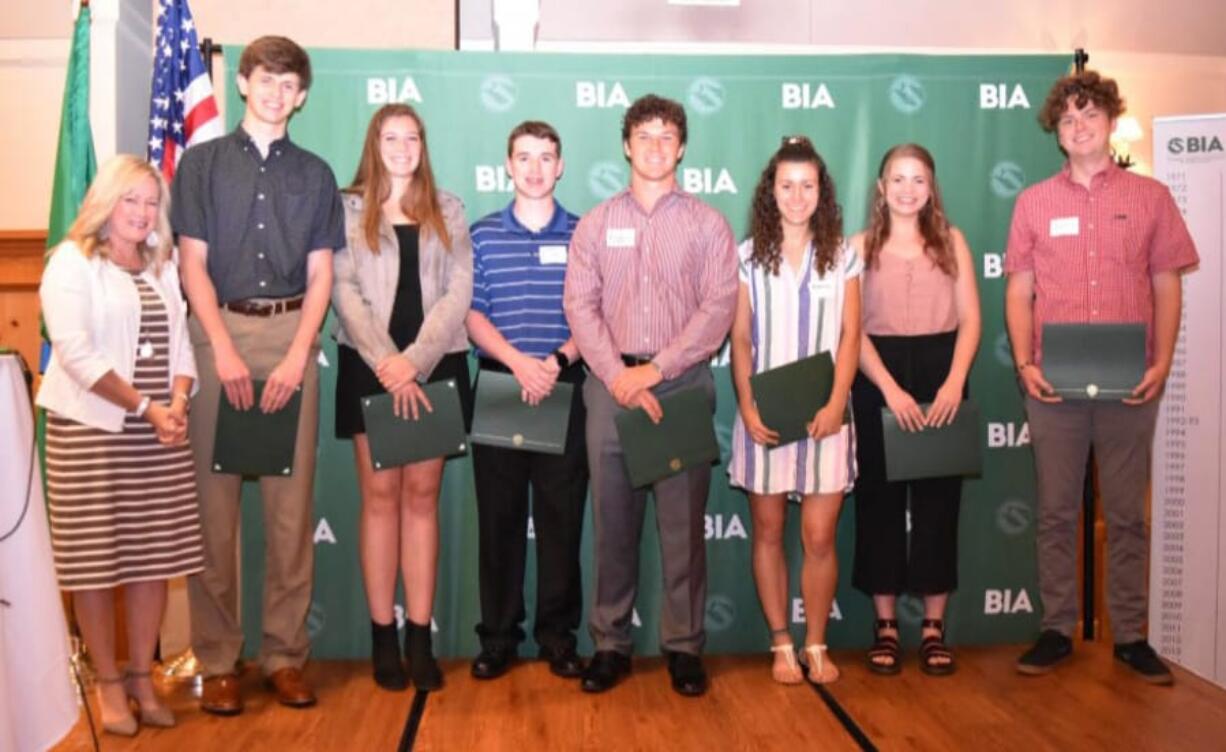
[(258, 219)]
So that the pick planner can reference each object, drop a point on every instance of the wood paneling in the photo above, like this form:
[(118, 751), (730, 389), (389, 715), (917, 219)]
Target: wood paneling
[(21, 267)]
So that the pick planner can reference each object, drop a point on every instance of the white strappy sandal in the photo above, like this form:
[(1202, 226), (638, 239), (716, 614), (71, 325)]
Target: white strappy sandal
[(792, 673), (818, 664)]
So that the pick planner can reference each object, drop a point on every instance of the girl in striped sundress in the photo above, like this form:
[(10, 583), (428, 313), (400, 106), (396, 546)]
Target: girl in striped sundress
[(799, 295), (120, 482)]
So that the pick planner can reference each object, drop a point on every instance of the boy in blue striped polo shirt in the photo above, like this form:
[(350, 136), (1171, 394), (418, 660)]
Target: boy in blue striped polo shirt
[(517, 324)]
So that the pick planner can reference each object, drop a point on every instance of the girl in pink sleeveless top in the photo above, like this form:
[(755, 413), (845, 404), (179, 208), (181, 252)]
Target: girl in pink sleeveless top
[(921, 330)]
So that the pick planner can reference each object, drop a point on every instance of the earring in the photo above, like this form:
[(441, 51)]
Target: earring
[(153, 239)]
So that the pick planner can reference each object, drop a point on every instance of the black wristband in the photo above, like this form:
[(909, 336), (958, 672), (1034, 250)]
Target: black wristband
[(563, 361)]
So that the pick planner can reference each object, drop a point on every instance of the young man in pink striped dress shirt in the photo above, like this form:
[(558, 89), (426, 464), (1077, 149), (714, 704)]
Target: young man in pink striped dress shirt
[(1093, 243), (650, 292)]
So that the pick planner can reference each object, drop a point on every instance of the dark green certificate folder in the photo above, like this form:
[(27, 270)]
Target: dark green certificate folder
[(685, 437), (501, 417), (1094, 361), (955, 449), (789, 396), (249, 442), (396, 441)]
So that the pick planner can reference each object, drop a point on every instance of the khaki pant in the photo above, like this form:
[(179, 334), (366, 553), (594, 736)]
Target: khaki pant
[(1122, 436), (217, 635)]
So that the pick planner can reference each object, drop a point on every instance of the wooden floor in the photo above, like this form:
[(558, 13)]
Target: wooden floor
[(1092, 702)]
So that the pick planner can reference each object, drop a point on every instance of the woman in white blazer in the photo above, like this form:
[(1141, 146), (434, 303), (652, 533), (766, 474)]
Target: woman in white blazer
[(402, 287), (120, 483)]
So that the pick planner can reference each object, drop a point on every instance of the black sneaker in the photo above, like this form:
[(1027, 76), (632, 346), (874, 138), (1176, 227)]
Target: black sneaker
[(1051, 648), (1141, 658)]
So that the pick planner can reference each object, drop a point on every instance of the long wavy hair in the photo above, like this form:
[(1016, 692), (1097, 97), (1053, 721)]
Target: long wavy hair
[(933, 224), (372, 182), (766, 222), (115, 179)]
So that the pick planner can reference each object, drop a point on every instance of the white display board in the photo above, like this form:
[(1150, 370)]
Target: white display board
[(1187, 607)]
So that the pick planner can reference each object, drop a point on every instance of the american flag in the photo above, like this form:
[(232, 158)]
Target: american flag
[(182, 111)]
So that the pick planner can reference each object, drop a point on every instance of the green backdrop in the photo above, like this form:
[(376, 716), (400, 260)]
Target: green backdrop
[(975, 113)]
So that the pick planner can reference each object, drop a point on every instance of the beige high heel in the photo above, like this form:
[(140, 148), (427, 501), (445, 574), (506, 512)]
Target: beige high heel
[(789, 674), (125, 725), (818, 665), (158, 715)]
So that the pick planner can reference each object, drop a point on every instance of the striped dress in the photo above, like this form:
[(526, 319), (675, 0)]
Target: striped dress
[(794, 318), (122, 505)]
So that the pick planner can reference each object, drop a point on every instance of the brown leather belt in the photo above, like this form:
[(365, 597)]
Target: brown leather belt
[(264, 309)]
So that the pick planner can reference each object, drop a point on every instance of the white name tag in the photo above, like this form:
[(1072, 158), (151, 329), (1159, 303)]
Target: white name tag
[(619, 237), (552, 254), (821, 287), (1065, 227)]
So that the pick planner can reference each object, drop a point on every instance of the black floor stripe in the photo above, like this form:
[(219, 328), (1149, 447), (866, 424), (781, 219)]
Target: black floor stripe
[(849, 723), (411, 724)]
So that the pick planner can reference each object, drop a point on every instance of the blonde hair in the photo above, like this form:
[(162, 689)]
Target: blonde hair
[(115, 179)]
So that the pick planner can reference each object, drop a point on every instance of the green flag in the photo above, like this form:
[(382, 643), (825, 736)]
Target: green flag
[(75, 163)]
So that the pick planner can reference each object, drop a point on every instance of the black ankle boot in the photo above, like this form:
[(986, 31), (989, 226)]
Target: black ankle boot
[(385, 657), (420, 654)]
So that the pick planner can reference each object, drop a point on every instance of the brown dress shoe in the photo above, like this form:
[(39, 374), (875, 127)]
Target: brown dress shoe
[(291, 688), (220, 695)]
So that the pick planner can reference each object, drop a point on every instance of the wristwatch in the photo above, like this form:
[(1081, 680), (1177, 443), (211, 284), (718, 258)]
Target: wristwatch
[(142, 407), (558, 355)]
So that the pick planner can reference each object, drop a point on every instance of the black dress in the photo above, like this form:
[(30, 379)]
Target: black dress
[(355, 379)]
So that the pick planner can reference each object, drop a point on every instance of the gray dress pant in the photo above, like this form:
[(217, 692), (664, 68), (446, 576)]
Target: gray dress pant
[(618, 512), (1122, 437)]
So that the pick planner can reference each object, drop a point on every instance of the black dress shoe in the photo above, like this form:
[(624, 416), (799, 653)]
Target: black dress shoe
[(689, 677), (492, 663), (605, 670), (563, 661)]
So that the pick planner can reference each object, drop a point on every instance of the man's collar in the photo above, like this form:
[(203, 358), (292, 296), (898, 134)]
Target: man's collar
[(557, 223)]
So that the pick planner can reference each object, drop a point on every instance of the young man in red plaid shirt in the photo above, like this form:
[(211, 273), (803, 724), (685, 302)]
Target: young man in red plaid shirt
[(1093, 243)]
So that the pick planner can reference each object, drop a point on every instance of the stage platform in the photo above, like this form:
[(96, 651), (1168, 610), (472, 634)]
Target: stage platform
[(1092, 702)]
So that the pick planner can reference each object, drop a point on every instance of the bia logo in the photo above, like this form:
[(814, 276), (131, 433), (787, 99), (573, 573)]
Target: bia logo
[(1008, 435), (993, 265), (600, 94), (1007, 179), (317, 619), (323, 532), (1194, 145), (1013, 517), (806, 96), (798, 611), (719, 527), (1006, 601), (706, 180), (494, 179), (497, 93), (720, 613), (706, 96), (389, 90), (907, 94), (1001, 97), (1002, 350), (605, 179)]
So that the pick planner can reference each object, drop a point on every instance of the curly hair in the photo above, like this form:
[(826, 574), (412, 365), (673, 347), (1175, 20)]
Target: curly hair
[(1087, 86), (933, 223), (766, 222), (651, 107)]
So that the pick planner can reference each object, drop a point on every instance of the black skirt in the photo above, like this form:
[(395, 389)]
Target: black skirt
[(355, 380)]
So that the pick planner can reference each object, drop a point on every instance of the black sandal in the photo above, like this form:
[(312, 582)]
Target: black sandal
[(885, 647), (936, 659)]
